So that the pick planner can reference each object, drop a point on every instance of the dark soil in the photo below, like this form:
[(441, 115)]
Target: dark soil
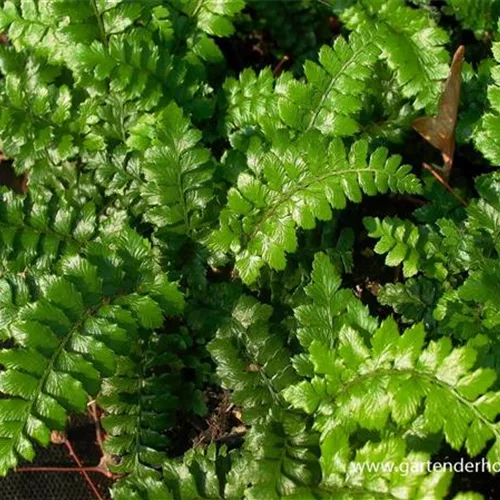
[(222, 425)]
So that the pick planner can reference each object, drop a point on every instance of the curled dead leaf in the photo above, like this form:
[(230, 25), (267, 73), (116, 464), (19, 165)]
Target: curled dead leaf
[(439, 130)]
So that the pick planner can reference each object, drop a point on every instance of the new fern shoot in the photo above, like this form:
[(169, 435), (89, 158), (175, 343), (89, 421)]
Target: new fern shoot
[(228, 230)]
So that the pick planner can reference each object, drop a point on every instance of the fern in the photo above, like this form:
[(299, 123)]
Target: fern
[(17, 291), (394, 376), (41, 228), (415, 299), (479, 17), (291, 186), (140, 488), (37, 119), (251, 360), (143, 399), (459, 260), (44, 25), (189, 221), (440, 377), (213, 17), (335, 87), (65, 341), (345, 477), (250, 100), (286, 453), (177, 171), (330, 307), (486, 138), (403, 31), (405, 244), (210, 474), (290, 461), (330, 99)]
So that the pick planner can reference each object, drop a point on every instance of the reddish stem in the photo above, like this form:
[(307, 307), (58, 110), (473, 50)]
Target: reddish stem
[(91, 484), (279, 68), (95, 417), (61, 469), (445, 184), (413, 199)]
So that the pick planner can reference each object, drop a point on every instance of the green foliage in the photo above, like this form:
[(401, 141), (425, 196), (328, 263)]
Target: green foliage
[(330, 307), (407, 244), (214, 474), (144, 398), (486, 138), (42, 227), (176, 170), (411, 44), (458, 259), (213, 17), (335, 87), (479, 17), (293, 183), (37, 121), (251, 360), (350, 383), (414, 299), (250, 100), (286, 457), (395, 378), (186, 226), (329, 100), (67, 339)]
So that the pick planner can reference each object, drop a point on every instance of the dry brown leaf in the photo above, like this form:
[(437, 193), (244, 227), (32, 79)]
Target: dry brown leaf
[(58, 437), (440, 130)]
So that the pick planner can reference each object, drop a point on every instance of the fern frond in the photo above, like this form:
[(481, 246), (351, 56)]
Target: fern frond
[(484, 214), (417, 248), (52, 28), (329, 100), (479, 17), (120, 175), (331, 307), (213, 16), (204, 20), (414, 300), (284, 455), (140, 488), (395, 377), (177, 171), (464, 316), (487, 137), (347, 474), (250, 100), (251, 360), (482, 285), (16, 291), (40, 228), (294, 182), (65, 341), (130, 67), (37, 117), (445, 247), (207, 474), (411, 43), (333, 94), (143, 401)]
